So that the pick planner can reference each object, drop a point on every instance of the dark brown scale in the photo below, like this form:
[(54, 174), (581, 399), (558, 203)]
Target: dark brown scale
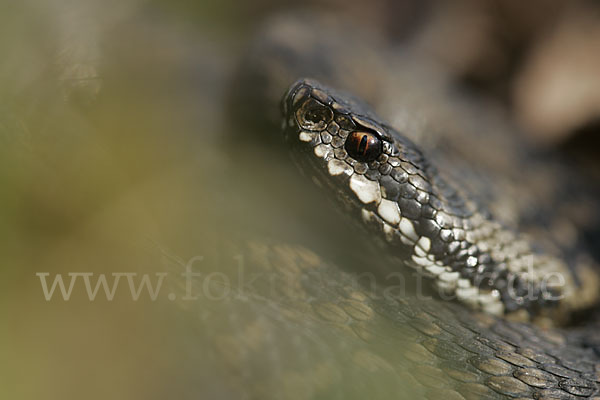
[(363, 146)]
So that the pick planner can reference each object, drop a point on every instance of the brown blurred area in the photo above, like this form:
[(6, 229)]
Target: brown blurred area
[(110, 115), (538, 58)]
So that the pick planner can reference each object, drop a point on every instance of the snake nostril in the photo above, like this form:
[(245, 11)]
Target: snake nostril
[(313, 115), (363, 146)]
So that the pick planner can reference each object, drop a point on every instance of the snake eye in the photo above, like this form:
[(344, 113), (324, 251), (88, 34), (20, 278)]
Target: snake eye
[(363, 146), (313, 115)]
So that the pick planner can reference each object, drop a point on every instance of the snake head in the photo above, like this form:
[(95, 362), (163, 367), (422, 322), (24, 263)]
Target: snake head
[(323, 116), (340, 142), (346, 141)]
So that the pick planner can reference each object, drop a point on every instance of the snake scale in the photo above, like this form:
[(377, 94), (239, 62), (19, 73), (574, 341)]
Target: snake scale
[(461, 208)]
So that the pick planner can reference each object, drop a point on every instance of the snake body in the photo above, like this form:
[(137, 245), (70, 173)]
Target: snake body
[(433, 207)]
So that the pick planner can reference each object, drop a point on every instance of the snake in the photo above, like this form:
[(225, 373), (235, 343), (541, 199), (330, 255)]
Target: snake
[(512, 311), (398, 191)]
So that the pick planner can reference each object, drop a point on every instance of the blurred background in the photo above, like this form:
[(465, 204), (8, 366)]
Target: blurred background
[(112, 115)]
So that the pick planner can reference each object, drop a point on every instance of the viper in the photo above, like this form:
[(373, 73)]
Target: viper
[(440, 186)]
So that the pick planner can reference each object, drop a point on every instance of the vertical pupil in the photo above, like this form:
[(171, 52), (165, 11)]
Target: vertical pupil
[(362, 146)]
